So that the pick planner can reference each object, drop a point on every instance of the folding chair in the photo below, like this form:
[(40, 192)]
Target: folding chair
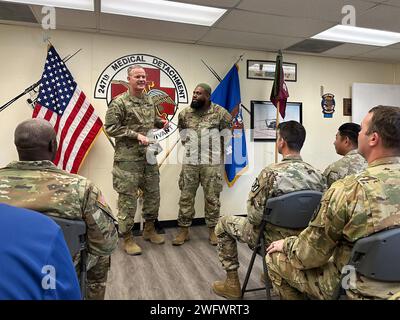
[(376, 257), (293, 211), (75, 236)]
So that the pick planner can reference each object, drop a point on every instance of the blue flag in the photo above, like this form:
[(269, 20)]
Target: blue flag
[(227, 95)]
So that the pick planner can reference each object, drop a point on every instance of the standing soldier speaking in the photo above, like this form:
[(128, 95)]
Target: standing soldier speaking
[(201, 126), (129, 119)]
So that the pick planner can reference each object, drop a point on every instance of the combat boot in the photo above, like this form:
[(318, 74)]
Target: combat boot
[(212, 238), (130, 245), (150, 234), (181, 237), (230, 288)]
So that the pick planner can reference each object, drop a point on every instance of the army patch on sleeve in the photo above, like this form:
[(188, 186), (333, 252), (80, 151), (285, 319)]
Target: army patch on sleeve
[(255, 186)]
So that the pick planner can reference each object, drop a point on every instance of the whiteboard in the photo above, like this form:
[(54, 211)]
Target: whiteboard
[(368, 95)]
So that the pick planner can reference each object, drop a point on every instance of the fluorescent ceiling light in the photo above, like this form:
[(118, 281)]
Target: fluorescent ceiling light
[(350, 34), (164, 10), (71, 4)]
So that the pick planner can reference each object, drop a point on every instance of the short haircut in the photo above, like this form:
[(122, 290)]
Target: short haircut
[(35, 133), (385, 121), (135, 66), (293, 133), (350, 130)]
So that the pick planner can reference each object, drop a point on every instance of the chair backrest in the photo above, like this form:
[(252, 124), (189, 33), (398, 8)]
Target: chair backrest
[(292, 210), (75, 236), (74, 233), (377, 256)]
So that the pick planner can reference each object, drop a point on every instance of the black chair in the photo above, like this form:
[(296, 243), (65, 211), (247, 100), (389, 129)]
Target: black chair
[(376, 257), (293, 211), (75, 236)]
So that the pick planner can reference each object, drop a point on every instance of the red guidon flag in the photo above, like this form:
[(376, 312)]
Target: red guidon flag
[(279, 91), (66, 107)]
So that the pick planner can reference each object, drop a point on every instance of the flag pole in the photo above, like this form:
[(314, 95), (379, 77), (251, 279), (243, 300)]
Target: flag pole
[(31, 87), (168, 152), (108, 137), (276, 131), (215, 74)]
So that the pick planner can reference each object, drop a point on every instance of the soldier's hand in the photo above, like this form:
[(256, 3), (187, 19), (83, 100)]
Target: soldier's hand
[(143, 140), (276, 246)]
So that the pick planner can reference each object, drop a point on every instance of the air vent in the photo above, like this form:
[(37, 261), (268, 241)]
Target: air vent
[(314, 46), (16, 12)]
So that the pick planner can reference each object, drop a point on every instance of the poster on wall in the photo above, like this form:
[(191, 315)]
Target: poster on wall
[(328, 105), (164, 85), (263, 118)]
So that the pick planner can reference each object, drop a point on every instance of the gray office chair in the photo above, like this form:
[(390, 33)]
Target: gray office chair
[(75, 236), (376, 257), (293, 211)]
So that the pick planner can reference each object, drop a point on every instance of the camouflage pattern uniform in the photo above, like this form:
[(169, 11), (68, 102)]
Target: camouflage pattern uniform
[(351, 163), (42, 187), (202, 162), (292, 174), (126, 117), (352, 208)]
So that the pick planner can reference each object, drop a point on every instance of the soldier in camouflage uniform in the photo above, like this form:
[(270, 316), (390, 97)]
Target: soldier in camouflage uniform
[(130, 119), (345, 145), (36, 183), (201, 126), (292, 174), (353, 208)]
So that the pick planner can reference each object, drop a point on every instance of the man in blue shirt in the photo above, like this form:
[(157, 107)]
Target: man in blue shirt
[(35, 263)]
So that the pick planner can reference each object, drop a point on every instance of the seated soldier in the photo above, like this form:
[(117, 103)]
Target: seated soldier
[(34, 258), (345, 145), (36, 183), (292, 174), (352, 208)]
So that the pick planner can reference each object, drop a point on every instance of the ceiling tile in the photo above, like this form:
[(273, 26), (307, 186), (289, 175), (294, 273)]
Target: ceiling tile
[(327, 10), (313, 46), (383, 54), (16, 12), (212, 3), (348, 50), (394, 46), (154, 29), (249, 24), (70, 19), (247, 40), (393, 2), (269, 24), (376, 1), (382, 17)]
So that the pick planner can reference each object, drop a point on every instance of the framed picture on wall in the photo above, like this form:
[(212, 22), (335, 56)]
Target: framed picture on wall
[(263, 118), (265, 70)]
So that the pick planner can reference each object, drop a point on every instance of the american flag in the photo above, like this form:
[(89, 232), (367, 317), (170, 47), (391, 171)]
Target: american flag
[(66, 107)]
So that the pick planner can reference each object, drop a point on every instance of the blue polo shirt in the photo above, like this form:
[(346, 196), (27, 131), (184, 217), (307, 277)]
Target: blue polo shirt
[(35, 263)]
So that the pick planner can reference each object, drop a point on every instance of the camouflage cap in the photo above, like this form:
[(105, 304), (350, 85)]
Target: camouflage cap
[(205, 86)]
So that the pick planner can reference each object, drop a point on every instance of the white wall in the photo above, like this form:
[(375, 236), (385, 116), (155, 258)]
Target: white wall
[(366, 96), (22, 56), (397, 74)]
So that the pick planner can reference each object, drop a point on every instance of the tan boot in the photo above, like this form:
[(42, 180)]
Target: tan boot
[(230, 288), (212, 238), (181, 237), (130, 245), (150, 234)]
